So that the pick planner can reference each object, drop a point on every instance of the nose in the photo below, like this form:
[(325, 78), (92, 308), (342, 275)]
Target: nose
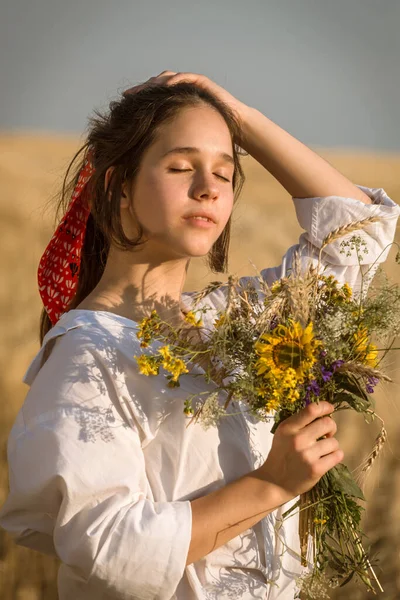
[(205, 185)]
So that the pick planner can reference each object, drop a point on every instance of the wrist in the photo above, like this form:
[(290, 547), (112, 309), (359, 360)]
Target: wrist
[(273, 493), (251, 121), (245, 114)]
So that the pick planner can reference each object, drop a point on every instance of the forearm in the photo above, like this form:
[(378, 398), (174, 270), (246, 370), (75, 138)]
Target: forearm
[(302, 172), (222, 515)]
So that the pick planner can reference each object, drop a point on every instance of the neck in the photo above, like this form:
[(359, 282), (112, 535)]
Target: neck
[(134, 285)]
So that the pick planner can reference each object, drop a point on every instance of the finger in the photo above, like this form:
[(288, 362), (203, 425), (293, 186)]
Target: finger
[(167, 73), (319, 427), (306, 416), (330, 460), (330, 434), (138, 88), (324, 447), (133, 89), (192, 77), (150, 81)]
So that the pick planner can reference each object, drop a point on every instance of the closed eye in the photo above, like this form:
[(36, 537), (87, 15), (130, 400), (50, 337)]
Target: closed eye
[(185, 170)]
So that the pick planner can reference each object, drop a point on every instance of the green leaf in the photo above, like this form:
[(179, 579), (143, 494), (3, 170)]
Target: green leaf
[(342, 481), (274, 427), (339, 568), (350, 384), (349, 578), (280, 417), (291, 509), (356, 402)]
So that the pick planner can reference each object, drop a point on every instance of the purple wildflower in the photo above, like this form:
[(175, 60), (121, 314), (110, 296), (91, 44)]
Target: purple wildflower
[(326, 375), (312, 388), (323, 353), (372, 381), (336, 364)]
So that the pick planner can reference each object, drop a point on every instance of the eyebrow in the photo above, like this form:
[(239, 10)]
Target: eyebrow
[(191, 150)]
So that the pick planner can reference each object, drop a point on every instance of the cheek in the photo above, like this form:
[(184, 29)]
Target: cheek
[(149, 196), (228, 207), (162, 193), (157, 203)]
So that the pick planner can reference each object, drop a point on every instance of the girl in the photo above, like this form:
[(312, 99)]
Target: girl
[(103, 470)]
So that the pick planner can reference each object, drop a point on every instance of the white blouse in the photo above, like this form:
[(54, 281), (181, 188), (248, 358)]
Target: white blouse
[(102, 467)]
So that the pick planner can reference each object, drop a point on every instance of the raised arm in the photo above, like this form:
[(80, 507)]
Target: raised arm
[(302, 172)]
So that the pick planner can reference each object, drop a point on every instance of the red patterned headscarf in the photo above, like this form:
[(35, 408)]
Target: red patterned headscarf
[(59, 266)]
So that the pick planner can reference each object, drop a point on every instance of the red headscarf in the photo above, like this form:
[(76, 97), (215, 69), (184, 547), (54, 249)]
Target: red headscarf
[(59, 266)]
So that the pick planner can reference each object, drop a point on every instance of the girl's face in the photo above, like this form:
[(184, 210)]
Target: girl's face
[(172, 184)]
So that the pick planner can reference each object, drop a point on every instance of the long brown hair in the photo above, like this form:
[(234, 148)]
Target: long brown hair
[(119, 138)]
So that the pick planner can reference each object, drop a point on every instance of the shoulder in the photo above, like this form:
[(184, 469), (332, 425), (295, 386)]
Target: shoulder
[(85, 374), (80, 347)]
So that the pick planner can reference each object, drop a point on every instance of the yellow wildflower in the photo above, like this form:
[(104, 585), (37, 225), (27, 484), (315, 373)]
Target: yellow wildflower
[(365, 352), (165, 353), (147, 365), (371, 358), (262, 390), (280, 389), (190, 318), (147, 328), (219, 321), (276, 286), (285, 386), (289, 377), (347, 290), (335, 294), (272, 405), (176, 366)]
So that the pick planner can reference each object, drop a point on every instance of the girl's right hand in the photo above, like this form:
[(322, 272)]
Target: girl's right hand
[(298, 458), (161, 78)]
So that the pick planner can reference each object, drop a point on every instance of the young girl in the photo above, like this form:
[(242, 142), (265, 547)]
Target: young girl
[(104, 471)]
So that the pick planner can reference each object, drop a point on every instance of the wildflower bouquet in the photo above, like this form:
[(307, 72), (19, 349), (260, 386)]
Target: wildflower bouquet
[(308, 339)]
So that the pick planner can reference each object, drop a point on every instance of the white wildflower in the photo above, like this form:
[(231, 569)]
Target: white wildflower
[(211, 412)]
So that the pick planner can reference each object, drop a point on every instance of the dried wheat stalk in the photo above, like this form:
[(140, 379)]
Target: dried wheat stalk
[(363, 370), (378, 445), (298, 295), (213, 285), (364, 468), (344, 229), (275, 310)]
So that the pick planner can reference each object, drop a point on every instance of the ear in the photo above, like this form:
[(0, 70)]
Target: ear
[(107, 178)]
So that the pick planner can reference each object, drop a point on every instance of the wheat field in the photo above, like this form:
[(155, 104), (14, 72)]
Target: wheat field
[(264, 226)]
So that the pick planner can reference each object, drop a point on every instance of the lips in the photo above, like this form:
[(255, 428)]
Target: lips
[(202, 214)]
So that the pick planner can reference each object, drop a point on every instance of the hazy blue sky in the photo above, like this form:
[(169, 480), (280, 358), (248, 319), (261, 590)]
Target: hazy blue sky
[(328, 71)]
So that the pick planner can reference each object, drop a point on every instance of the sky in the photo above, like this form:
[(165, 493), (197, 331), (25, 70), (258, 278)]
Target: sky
[(326, 71)]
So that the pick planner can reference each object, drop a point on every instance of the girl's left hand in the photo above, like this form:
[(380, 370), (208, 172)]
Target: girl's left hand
[(170, 78)]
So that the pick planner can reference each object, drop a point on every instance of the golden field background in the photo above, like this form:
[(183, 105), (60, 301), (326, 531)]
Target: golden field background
[(264, 226)]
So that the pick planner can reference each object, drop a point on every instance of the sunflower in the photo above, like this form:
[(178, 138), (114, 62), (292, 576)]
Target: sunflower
[(287, 347)]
